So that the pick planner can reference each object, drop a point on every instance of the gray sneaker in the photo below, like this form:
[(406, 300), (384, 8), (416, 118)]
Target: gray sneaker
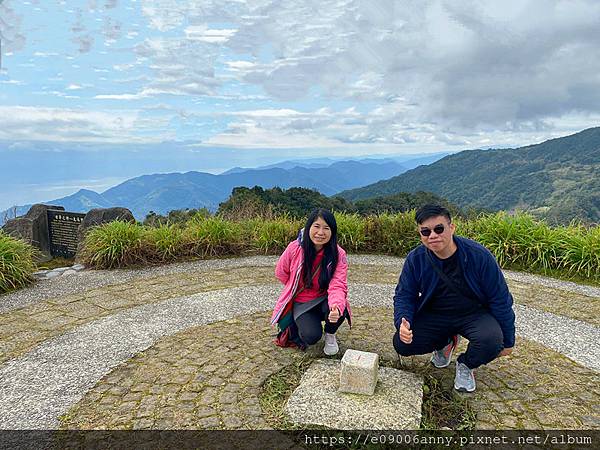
[(464, 380), (441, 358), (331, 346)]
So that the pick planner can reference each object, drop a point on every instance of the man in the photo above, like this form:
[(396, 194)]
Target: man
[(452, 286)]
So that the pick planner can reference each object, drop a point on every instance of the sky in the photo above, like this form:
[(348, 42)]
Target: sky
[(296, 78)]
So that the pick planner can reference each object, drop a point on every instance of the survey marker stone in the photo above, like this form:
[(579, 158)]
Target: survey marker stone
[(359, 372)]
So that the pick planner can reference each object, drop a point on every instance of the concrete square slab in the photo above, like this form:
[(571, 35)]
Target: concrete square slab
[(395, 405)]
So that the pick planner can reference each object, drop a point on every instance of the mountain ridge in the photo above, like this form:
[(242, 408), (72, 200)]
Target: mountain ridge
[(190, 190), (555, 180)]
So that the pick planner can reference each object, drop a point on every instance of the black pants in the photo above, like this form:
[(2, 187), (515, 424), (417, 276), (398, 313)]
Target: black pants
[(432, 332), (309, 323)]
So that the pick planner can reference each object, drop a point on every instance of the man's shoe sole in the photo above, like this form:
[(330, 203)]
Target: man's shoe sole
[(462, 389)]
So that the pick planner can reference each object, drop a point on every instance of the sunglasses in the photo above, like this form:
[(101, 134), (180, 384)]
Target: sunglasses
[(439, 229)]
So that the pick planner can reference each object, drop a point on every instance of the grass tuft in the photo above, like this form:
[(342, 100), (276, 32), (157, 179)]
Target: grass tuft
[(351, 231), (166, 242), (16, 263), (114, 245), (273, 236), (518, 241), (213, 236)]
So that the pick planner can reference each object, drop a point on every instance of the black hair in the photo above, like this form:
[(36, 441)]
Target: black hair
[(330, 258), (428, 211)]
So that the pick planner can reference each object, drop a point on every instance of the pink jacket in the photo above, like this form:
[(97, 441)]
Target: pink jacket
[(288, 270)]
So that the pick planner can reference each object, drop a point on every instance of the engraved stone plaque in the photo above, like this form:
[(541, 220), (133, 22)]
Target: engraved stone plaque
[(62, 231)]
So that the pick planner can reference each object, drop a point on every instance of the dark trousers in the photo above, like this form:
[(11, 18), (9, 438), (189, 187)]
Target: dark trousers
[(432, 332), (309, 323)]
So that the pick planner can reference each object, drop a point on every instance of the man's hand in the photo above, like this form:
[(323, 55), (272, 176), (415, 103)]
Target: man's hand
[(405, 332), (334, 314), (506, 351)]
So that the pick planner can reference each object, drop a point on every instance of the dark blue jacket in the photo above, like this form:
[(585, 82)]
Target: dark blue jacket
[(482, 273)]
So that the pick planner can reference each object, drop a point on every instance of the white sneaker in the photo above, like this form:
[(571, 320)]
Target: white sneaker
[(331, 346)]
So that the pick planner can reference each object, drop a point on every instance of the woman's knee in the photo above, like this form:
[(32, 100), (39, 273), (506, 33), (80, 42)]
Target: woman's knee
[(310, 336)]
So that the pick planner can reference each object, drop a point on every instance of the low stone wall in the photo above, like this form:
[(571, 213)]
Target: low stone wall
[(33, 227)]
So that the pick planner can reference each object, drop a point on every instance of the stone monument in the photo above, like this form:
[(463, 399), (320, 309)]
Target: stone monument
[(56, 232), (33, 228)]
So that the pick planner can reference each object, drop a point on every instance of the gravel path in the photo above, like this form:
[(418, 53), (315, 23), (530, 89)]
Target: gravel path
[(90, 279), (44, 383)]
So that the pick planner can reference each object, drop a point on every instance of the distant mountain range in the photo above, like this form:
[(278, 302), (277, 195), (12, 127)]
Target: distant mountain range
[(558, 180), (407, 161), (162, 193)]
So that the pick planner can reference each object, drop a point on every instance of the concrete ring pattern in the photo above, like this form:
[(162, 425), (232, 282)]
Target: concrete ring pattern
[(70, 367)]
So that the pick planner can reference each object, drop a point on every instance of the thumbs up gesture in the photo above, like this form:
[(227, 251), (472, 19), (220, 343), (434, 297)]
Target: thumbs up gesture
[(405, 332)]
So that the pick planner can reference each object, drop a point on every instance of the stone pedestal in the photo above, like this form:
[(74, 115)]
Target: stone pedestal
[(395, 405), (359, 372)]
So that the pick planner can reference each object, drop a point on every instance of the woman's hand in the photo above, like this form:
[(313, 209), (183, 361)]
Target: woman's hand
[(334, 314)]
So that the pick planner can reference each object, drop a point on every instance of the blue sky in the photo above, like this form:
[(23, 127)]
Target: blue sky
[(299, 78)]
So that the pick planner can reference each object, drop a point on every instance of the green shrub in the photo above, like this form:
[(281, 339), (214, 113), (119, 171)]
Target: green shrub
[(16, 263), (213, 236), (114, 245), (176, 216), (166, 241), (582, 252), (351, 231), (517, 241), (392, 234), (273, 236)]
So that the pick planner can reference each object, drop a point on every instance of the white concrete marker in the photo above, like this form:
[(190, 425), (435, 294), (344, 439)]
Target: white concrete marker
[(359, 371)]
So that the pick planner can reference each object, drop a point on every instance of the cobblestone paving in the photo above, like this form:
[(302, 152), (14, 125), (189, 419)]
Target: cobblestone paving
[(22, 329), (211, 376), (556, 301)]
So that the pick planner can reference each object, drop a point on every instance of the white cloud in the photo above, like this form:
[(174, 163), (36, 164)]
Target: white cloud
[(237, 65), (267, 113), (56, 124), (201, 33), (119, 96), (461, 64), (393, 72), (45, 54), (249, 134)]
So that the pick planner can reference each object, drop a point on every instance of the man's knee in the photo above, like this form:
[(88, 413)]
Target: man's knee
[(490, 338)]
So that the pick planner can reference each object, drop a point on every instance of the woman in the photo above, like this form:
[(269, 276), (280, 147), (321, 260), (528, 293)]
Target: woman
[(313, 269)]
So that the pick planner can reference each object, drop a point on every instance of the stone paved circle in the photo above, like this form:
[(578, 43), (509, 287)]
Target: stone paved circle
[(178, 348)]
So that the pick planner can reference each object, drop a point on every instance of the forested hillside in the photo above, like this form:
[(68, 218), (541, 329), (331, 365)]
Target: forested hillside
[(558, 180)]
